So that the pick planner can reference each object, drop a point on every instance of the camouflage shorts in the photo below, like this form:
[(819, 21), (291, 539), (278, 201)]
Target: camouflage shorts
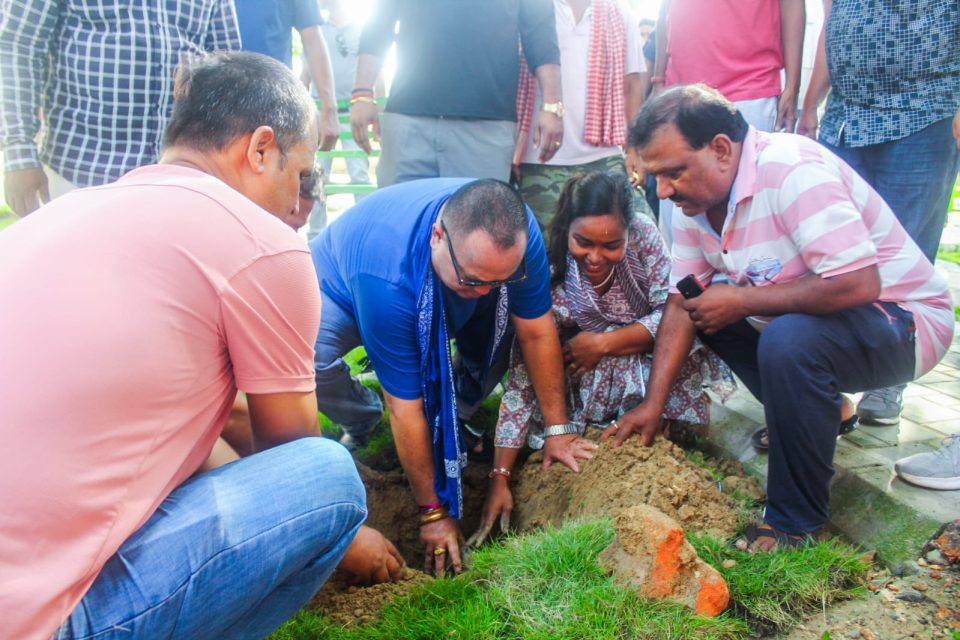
[(541, 184)]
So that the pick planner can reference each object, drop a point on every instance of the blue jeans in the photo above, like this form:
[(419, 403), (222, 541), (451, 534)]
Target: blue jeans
[(232, 553), (915, 176), (797, 368)]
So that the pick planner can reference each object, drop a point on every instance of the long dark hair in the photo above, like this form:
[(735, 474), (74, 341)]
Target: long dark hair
[(586, 194)]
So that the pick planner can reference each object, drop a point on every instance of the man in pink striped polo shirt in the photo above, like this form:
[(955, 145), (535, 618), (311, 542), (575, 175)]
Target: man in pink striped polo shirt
[(825, 292)]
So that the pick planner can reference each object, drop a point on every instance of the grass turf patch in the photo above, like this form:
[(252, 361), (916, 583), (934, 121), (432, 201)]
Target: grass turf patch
[(549, 585), (776, 590)]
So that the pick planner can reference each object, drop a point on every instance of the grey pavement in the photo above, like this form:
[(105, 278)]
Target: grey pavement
[(870, 506)]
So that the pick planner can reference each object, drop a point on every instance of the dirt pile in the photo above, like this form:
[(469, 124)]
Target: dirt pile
[(356, 606), (616, 479)]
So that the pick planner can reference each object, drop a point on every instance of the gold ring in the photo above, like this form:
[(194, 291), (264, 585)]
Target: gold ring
[(439, 551)]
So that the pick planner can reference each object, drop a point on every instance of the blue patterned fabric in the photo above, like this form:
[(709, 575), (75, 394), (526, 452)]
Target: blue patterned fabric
[(439, 389), (102, 74), (894, 69)]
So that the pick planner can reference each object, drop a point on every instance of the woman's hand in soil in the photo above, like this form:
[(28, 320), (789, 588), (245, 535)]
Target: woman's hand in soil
[(567, 449), (582, 352), (499, 502), (372, 559), (646, 421), (442, 534)]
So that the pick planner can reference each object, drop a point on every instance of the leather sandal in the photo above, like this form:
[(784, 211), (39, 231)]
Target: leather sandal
[(755, 532), (760, 439)]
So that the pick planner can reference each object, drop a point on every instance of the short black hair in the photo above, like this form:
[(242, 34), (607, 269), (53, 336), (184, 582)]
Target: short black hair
[(491, 205), (697, 111), (587, 194), (222, 96)]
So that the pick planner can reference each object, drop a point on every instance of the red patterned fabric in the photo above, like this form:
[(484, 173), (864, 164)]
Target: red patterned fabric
[(605, 121)]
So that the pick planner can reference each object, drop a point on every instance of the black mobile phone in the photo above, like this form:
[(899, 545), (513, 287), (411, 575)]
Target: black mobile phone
[(689, 287)]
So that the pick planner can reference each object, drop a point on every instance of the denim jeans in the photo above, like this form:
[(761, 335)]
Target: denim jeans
[(231, 553), (915, 176), (797, 369)]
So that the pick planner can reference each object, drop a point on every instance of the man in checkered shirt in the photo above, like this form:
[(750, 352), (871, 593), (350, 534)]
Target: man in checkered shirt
[(101, 74)]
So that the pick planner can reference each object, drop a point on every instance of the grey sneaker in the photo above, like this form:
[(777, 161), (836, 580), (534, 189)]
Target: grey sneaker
[(938, 469), (881, 406)]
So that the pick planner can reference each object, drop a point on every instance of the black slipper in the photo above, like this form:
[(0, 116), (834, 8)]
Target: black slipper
[(473, 441), (760, 442), (754, 532)]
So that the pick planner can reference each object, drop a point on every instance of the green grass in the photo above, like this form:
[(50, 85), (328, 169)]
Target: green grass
[(777, 589), (7, 217), (949, 256), (549, 585)]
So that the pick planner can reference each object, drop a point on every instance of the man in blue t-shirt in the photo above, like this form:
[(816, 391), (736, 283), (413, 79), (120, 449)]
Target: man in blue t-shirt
[(459, 260), (265, 27)]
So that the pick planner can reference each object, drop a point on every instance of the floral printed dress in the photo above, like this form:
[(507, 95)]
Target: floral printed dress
[(638, 294)]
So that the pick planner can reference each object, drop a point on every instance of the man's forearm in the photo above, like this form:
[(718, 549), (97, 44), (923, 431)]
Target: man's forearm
[(674, 340), (411, 435), (819, 78), (793, 19), (813, 295), (540, 346), (318, 60), (368, 68), (548, 78)]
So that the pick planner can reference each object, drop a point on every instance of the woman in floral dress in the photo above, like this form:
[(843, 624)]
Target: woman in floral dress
[(609, 282)]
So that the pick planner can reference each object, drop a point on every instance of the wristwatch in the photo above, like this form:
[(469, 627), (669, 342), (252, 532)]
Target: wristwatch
[(555, 108), (561, 429)]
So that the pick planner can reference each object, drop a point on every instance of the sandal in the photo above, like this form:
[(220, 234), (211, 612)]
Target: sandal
[(479, 445), (760, 439), (754, 533)]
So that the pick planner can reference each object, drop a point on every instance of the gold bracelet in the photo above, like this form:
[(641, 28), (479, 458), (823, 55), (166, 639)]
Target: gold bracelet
[(434, 515), (365, 99)]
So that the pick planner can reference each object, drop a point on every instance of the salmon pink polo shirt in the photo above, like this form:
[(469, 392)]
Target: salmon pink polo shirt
[(132, 313), (795, 210)]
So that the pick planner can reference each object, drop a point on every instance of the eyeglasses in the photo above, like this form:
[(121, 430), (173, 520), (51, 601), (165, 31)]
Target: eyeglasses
[(464, 282)]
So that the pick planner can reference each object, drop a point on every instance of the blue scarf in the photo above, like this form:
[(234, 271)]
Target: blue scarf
[(439, 391)]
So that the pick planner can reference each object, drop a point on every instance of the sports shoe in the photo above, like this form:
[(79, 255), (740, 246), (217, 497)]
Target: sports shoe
[(881, 406), (938, 469)]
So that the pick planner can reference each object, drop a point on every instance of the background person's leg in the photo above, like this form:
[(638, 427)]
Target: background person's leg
[(805, 362), (232, 553), (475, 148), (407, 149), (340, 396)]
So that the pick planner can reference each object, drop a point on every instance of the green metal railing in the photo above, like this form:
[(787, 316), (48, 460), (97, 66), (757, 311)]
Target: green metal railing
[(333, 188)]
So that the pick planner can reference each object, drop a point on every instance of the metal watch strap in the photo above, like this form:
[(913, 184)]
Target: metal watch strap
[(561, 429)]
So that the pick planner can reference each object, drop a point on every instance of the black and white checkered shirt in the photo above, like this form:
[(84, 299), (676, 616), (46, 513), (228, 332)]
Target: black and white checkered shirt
[(102, 72)]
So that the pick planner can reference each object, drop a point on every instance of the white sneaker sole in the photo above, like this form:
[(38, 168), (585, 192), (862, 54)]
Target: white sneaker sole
[(941, 484), (880, 422)]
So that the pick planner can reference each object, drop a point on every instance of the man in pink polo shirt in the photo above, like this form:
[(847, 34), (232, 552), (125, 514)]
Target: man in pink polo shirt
[(132, 314), (826, 293)]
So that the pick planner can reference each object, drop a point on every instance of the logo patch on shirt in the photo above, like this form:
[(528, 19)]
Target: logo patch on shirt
[(762, 270)]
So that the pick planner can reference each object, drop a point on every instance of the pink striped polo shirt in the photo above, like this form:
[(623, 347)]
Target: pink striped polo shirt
[(795, 210)]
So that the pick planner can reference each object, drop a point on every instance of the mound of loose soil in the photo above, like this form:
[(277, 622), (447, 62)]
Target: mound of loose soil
[(356, 606), (615, 479)]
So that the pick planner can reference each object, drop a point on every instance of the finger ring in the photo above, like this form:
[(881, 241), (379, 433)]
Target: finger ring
[(556, 144), (615, 425), (439, 551)]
